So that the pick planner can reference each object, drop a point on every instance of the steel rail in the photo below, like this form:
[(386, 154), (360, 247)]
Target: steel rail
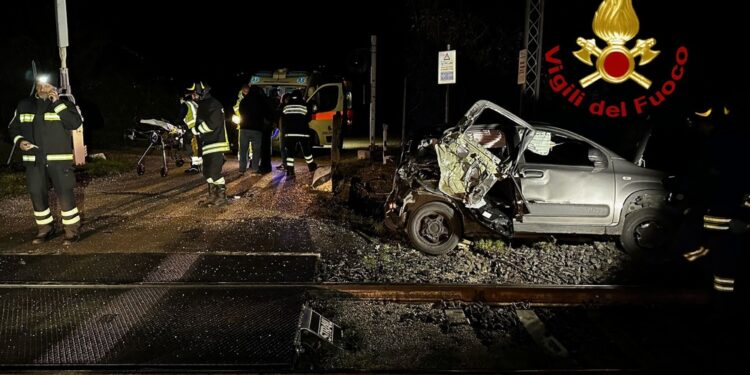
[(531, 295)]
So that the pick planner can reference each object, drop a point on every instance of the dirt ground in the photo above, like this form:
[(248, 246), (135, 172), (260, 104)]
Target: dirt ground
[(150, 213)]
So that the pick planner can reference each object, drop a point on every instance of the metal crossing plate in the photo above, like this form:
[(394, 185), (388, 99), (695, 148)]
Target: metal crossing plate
[(148, 325), (178, 267)]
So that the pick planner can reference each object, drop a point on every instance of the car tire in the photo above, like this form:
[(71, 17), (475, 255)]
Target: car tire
[(434, 228), (647, 233)]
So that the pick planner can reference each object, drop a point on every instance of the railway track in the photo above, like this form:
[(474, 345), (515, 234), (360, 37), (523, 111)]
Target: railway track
[(530, 295)]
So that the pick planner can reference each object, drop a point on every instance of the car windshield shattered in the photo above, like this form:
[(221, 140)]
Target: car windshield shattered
[(495, 169)]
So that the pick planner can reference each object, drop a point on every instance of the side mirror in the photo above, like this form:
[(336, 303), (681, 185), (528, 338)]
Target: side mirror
[(597, 157)]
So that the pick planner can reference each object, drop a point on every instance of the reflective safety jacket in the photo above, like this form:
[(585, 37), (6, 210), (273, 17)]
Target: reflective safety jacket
[(236, 116), (295, 118), (47, 125), (190, 111), (210, 126)]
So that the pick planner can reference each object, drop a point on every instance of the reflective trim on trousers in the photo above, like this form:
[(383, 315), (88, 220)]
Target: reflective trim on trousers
[(70, 213), (71, 221), (723, 284), (44, 221)]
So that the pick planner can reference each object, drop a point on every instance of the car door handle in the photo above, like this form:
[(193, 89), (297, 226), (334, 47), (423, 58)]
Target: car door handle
[(532, 173)]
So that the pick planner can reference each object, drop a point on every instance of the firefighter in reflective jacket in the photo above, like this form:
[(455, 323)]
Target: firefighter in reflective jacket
[(295, 119), (214, 142), (189, 111), (725, 195), (41, 128)]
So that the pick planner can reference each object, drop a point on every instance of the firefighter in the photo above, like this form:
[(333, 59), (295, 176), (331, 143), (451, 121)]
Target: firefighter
[(724, 194), (295, 119), (212, 132), (188, 113), (41, 128)]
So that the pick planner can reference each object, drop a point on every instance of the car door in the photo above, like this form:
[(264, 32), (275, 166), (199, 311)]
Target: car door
[(328, 100), (569, 184)]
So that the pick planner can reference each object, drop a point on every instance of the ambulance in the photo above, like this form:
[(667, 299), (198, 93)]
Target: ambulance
[(326, 96)]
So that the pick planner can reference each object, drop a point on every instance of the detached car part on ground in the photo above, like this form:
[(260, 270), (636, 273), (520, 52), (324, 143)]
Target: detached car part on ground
[(513, 177)]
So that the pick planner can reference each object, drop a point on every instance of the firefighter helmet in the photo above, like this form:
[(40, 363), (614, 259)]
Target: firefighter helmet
[(199, 88)]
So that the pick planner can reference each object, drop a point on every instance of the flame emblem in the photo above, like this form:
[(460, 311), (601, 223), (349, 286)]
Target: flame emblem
[(616, 23)]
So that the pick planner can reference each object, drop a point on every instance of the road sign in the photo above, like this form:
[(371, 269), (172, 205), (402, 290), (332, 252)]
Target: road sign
[(522, 55), (446, 67)]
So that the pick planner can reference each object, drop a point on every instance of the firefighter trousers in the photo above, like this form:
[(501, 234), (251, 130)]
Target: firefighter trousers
[(290, 142), (212, 164), (63, 180)]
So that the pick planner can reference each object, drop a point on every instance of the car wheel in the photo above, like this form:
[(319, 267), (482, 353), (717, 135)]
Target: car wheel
[(646, 233), (434, 228)]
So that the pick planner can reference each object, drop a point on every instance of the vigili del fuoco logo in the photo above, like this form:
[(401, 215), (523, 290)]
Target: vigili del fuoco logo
[(616, 23)]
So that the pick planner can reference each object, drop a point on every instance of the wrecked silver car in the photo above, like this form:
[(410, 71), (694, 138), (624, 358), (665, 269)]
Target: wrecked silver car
[(497, 170)]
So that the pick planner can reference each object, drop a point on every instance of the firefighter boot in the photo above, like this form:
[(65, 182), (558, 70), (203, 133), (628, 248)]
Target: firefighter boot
[(211, 195), (312, 167), (45, 233), (220, 197), (71, 234)]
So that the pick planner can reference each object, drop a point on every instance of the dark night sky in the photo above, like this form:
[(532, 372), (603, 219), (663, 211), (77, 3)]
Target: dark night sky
[(156, 46)]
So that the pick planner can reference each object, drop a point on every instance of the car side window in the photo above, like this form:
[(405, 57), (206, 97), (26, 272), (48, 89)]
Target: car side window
[(564, 151)]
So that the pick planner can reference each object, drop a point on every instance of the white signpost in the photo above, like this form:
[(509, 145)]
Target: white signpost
[(446, 67)]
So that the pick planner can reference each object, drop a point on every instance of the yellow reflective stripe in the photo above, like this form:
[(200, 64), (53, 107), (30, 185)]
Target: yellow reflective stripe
[(70, 213), (203, 128), (715, 219), (210, 180), (71, 221), (60, 108), (15, 140), (59, 157), (29, 158), (218, 144), (42, 213), (715, 227), (45, 221), (26, 117), (215, 150), (693, 255), (49, 116), (723, 280), (704, 114), (723, 288), (220, 181)]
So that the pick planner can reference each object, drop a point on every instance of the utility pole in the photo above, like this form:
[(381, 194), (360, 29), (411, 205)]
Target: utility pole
[(61, 14), (373, 82), (532, 43)]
